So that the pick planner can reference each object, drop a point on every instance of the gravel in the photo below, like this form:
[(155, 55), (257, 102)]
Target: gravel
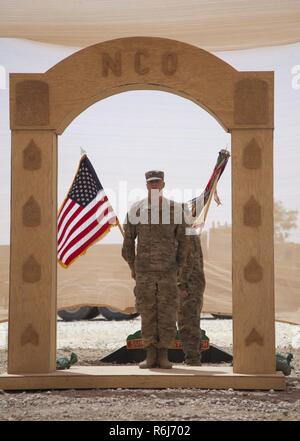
[(93, 339), (111, 334)]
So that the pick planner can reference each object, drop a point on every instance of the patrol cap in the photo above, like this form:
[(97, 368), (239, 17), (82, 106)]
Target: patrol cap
[(153, 175)]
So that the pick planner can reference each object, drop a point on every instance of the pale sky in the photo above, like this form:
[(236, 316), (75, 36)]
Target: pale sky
[(132, 132)]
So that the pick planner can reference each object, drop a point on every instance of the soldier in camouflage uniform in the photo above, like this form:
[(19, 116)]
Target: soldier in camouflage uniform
[(154, 266), (191, 285)]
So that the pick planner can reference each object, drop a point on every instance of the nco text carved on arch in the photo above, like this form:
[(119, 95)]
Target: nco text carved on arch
[(112, 63)]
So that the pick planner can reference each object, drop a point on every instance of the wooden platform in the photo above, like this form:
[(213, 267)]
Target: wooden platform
[(180, 376)]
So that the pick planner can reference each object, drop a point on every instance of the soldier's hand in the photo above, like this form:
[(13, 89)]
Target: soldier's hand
[(183, 293)]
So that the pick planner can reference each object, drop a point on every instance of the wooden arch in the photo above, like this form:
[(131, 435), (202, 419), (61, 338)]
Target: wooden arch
[(42, 106)]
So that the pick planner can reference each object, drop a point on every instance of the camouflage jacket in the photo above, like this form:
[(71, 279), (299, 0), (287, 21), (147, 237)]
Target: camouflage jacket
[(161, 241), (193, 265)]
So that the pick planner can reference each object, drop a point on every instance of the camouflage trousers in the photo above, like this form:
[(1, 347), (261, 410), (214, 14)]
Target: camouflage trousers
[(189, 317), (157, 301)]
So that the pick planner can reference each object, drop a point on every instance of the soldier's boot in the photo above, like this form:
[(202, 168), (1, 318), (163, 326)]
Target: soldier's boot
[(163, 361), (193, 362), (151, 359), (193, 359)]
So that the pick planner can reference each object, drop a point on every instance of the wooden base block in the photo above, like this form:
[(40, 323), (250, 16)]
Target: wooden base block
[(107, 377)]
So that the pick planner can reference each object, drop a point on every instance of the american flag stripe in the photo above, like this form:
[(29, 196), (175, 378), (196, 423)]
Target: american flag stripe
[(86, 240), (68, 222), (68, 204), (76, 221), (76, 216), (86, 215), (102, 213), (67, 218), (83, 247), (81, 225), (82, 234)]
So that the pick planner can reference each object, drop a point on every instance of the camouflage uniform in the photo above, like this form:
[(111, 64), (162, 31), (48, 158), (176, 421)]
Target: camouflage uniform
[(156, 263), (193, 281)]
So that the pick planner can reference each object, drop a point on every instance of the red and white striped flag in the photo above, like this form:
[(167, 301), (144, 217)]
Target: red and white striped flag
[(199, 206), (85, 216)]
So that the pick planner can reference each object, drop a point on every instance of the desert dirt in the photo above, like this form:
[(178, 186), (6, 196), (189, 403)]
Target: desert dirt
[(155, 404)]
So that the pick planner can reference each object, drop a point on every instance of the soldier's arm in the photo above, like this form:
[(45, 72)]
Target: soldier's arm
[(128, 248), (188, 265), (182, 248)]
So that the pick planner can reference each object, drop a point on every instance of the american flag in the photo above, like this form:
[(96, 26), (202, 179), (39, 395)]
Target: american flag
[(85, 216)]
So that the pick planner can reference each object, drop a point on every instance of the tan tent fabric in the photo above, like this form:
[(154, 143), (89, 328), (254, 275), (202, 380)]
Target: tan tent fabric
[(212, 25), (102, 278)]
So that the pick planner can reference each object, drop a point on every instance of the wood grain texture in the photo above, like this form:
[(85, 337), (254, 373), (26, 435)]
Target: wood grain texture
[(253, 256), (254, 337), (242, 102), (31, 270), (252, 155), (252, 213), (32, 103), (30, 336), (31, 213), (251, 102), (32, 300), (146, 63), (32, 157), (180, 376)]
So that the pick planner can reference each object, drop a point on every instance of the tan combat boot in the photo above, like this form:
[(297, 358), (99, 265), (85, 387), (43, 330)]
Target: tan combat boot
[(193, 362), (193, 359), (151, 360), (163, 359)]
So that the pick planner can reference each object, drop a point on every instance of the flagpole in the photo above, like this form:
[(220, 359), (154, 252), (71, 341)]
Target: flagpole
[(210, 198), (120, 227)]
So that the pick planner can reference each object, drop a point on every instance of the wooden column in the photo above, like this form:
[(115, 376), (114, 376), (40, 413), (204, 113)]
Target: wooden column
[(253, 251), (32, 297)]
